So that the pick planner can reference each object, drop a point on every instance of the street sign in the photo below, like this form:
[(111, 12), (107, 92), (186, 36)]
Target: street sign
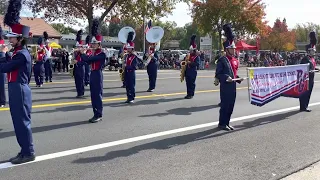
[(206, 46)]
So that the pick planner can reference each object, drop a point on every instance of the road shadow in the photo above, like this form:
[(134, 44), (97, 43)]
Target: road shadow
[(81, 107), (73, 97), (182, 111), (72, 89), (145, 102), (184, 139), (46, 128)]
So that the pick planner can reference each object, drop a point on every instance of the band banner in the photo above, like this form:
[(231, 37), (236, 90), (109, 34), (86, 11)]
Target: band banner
[(268, 83)]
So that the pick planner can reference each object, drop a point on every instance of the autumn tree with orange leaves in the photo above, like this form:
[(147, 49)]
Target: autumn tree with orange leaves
[(246, 16), (280, 38)]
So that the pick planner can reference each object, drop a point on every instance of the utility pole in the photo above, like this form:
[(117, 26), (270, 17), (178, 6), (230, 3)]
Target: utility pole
[(144, 34)]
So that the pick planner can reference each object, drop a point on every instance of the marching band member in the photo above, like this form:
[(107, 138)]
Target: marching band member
[(191, 68), (38, 68), (309, 59), (79, 69), (97, 62), (2, 76), (86, 65), (18, 68), (131, 63), (152, 67), (48, 61), (227, 68)]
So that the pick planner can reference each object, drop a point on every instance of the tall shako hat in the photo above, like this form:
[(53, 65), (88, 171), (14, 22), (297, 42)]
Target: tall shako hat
[(96, 37), (88, 40), (79, 38), (313, 41), (193, 44), (130, 43), (40, 42), (12, 18), (1, 38), (229, 43), (46, 36)]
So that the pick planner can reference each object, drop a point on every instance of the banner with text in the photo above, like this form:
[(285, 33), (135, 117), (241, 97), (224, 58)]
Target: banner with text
[(269, 83)]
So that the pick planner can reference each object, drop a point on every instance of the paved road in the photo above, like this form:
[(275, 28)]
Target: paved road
[(162, 136)]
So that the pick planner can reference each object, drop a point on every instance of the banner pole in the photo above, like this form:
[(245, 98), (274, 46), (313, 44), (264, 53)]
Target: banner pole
[(248, 83)]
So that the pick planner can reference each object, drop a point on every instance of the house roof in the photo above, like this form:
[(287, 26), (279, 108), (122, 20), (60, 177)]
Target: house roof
[(37, 26)]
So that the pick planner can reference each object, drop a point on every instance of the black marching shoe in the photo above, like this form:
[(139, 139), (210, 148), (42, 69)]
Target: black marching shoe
[(129, 102), (224, 127), (305, 110), (231, 128), (95, 119), (2, 105), (150, 90), (20, 159), (188, 97), (80, 96)]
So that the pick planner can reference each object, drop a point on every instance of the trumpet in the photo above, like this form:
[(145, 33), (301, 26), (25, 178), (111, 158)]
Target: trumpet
[(184, 67)]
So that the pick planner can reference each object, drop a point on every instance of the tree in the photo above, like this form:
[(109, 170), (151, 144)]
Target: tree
[(246, 16), (71, 10), (3, 6), (62, 28), (280, 38), (190, 29), (302, 31)]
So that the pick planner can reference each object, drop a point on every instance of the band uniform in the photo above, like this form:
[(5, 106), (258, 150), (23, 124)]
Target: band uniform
[(18, 67), (48, 61), (97, 63), (152, 67), (3, 98), (227, 68), (38, 67), (304, 99), (79, 67), (191, 68)]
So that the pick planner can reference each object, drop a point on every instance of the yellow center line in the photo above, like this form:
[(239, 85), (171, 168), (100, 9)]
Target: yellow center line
[(119, 99), (118, 80)]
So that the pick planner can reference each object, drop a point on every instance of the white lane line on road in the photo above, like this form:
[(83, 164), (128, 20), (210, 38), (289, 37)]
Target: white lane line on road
[(146, 137)]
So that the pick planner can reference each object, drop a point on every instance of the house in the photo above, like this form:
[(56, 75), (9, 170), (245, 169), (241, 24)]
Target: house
[(37, 27)]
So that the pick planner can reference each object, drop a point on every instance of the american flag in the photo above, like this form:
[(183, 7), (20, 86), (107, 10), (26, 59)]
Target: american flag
[(149, 25)]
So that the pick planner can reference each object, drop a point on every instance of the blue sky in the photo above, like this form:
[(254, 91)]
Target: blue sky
[(295, 11)]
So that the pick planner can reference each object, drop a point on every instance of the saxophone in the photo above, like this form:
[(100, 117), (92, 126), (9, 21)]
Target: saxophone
[(121, 71), (71, 67), (184, 67), (72, 64)]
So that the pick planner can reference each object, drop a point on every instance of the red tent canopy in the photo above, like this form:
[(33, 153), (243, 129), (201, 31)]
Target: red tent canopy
[(241, 45)]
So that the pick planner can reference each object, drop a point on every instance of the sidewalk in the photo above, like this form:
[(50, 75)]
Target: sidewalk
[(310, 173)]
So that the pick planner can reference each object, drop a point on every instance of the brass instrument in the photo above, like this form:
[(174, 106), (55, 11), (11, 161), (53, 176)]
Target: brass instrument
[(71, 67), (121, 73), (122, 36), (149, 59), (183, 65), (154, 36)]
